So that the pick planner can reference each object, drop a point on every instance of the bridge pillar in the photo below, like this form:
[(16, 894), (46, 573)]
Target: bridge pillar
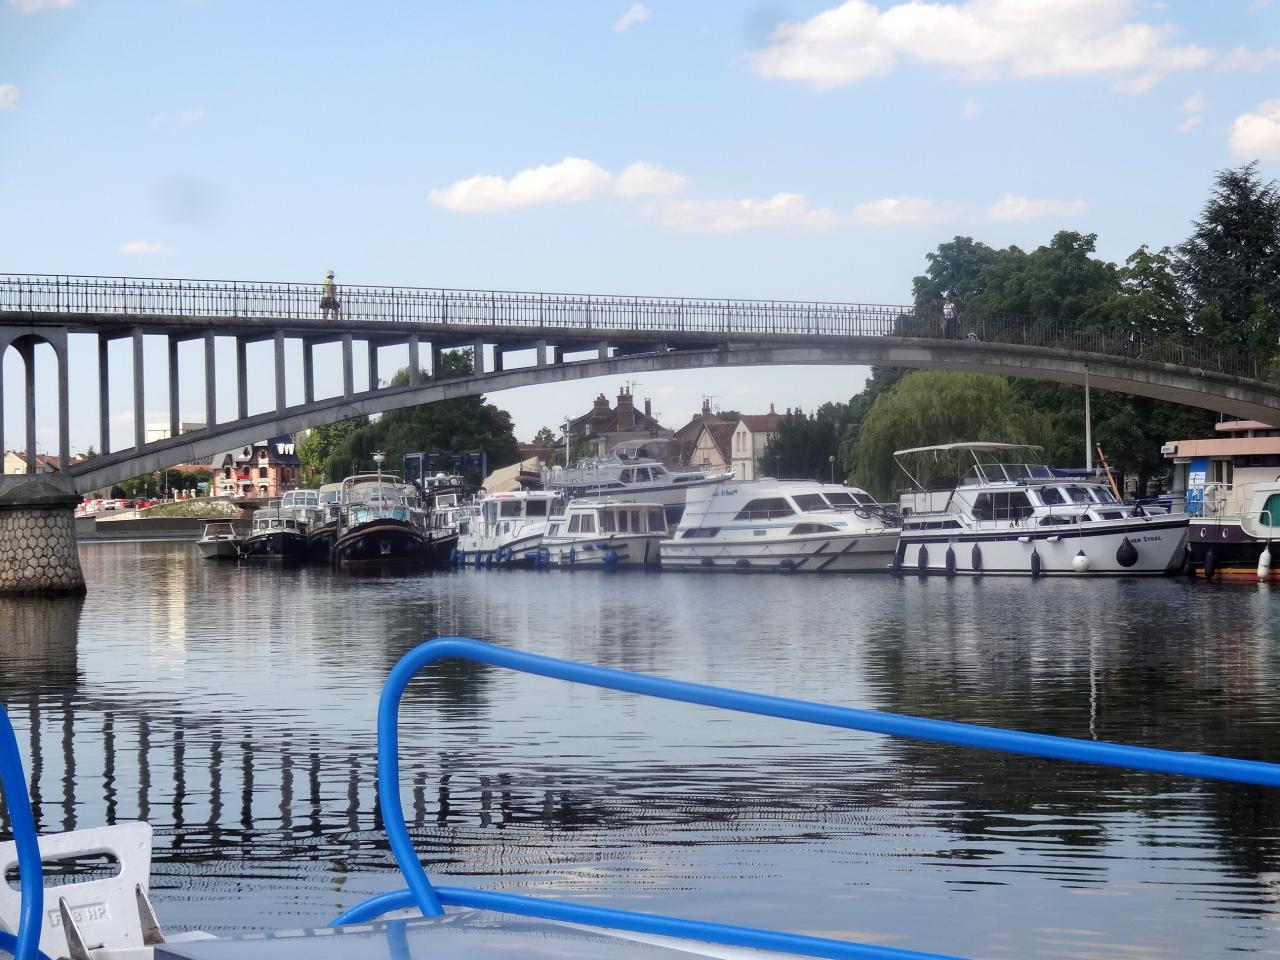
[(280, 381), (478, 357), (373, 364), (38, 536), (348, 375), (175, 418), (541, 353), (242, 378), (3, 347), (210, 381), (308, 372), (435, 361), (139, 393), (497, 358), (603, 350), (26, 349), (415, 371), (104, 395)]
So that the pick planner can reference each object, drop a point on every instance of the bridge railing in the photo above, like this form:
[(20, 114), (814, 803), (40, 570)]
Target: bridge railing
[(592, 315)]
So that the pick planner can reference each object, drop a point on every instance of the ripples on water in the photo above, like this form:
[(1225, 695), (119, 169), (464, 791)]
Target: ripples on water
[(233, 707)]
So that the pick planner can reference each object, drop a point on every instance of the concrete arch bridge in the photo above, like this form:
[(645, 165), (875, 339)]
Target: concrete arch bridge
[(520, 339)]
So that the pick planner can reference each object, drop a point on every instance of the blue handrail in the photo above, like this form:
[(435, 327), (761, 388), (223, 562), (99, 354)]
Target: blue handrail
[(13, 784), (431, 900)]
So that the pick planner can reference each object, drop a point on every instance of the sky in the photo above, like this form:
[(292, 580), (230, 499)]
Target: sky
[(787, 149)]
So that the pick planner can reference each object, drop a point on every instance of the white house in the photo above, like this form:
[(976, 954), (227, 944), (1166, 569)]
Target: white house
[(750, 437)]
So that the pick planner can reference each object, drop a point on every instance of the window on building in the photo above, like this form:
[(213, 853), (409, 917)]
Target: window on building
[(1221, 471), (262, 473)]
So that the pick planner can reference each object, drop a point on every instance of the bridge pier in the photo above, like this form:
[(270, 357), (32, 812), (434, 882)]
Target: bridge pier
[(38, 535)]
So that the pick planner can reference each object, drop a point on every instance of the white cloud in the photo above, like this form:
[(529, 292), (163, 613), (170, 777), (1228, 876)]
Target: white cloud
[(641, 179), (1012, 207), (971, 108), (572, 180), (1256, 135), (636, 13), (8, 96), (143, 248), (896, 211), (1196, 103), (35, 6), (856, 39), (1242, 58), (732, 216)]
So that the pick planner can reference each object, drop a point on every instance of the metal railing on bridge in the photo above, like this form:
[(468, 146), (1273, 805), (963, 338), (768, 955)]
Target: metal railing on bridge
[(106, 299)]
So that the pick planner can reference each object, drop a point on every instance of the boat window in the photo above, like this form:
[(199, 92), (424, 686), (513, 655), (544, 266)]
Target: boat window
[(622, 521), (765, 508), (588, 523), (1111, 515), (1055, 520), (635, 521), (658, 473), (1078, 494), (808, 502), (840, 499), (1270, 515), (536, 508), (865, 500), (575, 523), (509, 508), (700, 532), (812, 528), (657, 520), (1102, 495), (1010, 505), (625, 476), (642, 474), (553, 529), (1051, 496), (606, 521)]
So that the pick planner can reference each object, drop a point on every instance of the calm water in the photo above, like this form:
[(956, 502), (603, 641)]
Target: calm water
[(233, 708)]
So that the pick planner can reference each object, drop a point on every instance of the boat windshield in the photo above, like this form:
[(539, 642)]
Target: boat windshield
[(808, 502), (1006, 473)]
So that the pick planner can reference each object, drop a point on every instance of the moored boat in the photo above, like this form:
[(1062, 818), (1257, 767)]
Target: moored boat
[(605, 533), (381, 524), (219, 540), (1007, 514), (506, 528), (1233, 536), (275, 534), (322, 533)]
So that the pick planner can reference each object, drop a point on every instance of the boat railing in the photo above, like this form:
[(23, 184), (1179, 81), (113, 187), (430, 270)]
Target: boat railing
[(430, 899)]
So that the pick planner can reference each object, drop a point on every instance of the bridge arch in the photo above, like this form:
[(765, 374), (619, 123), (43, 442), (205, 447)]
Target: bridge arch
[(1226, 393), (25, 344)]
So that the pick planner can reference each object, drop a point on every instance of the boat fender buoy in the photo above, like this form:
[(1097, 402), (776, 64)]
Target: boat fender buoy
[(895, 565), (707, 562), (742, 562), (573, 556), (453, 556), (951, 561), (1210, 565), (976, 558), (1035, 562), (1264, 563), (922, 559), (1126, 553), (610, 557), (1080, 562), (788, 565)]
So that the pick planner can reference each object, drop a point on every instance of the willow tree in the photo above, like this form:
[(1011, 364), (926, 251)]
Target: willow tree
[(930, 407)]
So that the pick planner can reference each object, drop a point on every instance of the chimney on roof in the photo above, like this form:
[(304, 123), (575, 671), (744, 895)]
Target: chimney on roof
[(648, 408), (706, 406), (771, 409), (601, 409), (626, 411)]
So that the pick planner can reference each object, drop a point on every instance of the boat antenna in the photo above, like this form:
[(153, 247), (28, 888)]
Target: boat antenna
[(378, 458), (1088, 425)]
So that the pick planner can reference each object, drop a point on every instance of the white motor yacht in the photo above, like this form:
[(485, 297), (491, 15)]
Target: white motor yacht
[(219, 541), (798, 526), (626, 475), (605, 533), (506, 527), (1007, 514)]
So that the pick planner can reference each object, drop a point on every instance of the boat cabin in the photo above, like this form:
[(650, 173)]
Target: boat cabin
[(1218, 475), (609, 518)]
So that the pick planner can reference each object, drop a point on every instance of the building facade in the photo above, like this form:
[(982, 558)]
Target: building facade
[(262, 471), (750, 437)]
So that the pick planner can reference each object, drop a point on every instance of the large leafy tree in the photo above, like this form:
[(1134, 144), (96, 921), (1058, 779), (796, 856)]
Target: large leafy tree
[(319, 445), (930, 407), (1230, 265)]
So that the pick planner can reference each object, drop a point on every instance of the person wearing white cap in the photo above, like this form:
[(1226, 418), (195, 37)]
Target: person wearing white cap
[(329, 305)]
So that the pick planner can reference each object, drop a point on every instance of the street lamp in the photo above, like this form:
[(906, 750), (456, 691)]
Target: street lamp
[(832, 460)]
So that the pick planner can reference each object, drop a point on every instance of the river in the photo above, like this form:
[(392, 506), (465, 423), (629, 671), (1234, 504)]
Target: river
[(232, 706)]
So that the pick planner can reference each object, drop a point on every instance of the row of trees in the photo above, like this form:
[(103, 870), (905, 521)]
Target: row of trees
[(1221, 286), (337, 450)]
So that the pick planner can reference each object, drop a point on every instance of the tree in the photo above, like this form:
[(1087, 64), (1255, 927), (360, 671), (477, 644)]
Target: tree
[(1233, 256), (320, 443), (930, 407), (803, 444), (545, 437)]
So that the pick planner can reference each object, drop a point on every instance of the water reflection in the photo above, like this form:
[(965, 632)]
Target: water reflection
[(233, 706)]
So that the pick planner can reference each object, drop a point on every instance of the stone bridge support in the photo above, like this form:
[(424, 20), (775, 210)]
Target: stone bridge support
[(38, 535)]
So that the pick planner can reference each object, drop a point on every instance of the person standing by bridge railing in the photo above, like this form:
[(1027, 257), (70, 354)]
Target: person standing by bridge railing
[(329, 305), (950, 319)]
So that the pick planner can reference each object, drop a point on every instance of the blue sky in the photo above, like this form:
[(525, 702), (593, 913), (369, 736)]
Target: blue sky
[(798, 150)]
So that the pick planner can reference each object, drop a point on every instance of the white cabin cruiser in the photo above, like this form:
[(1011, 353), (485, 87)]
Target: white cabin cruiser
[(626, 475), (219, 540), (1006, 514), (798, 526), (605, 533), (506, 528)]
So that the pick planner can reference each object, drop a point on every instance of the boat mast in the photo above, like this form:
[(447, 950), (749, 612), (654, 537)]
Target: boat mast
[(1088, 424)]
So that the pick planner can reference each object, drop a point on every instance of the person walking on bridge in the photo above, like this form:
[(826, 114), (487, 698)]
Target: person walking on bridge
[(950, 327), (329, 305)]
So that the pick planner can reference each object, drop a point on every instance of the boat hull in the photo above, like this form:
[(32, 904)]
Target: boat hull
[(818, 553), (517, 552), (381, 543), (320, 542), (219, 549), (605, 552), (1155, 546), (1222, 550), (275, 544)]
